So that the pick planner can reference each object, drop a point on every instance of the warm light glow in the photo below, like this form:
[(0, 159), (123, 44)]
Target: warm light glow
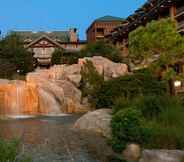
[(177, 83)]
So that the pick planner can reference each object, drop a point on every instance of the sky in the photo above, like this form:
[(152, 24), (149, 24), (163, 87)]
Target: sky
[(50, 15)]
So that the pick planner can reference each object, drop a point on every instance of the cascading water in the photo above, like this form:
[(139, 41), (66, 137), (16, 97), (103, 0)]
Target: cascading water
[(49, 101), (40, 94)]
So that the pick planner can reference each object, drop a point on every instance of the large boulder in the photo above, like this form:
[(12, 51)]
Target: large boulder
[(72, 95), (162, 156), (106, 67), (132, 152), (61, 94), (96, 121)]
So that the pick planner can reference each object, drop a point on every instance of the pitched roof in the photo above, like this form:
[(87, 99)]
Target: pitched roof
[(106, 18), (44, 37), (62, 36), (109, 18)]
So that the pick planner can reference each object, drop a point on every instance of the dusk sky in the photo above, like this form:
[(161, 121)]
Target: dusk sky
[(48, 15)]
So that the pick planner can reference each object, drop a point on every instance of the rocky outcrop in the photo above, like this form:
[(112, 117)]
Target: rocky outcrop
[(96, 121), (18, 97), (106, 67), (54, 90), (132, 152), (162, 156)]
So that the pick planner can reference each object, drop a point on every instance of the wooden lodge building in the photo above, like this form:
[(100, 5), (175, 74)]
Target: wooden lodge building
[(151, 10), (101, 27), (43, 44)]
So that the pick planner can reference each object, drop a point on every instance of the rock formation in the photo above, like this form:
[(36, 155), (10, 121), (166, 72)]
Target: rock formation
[(162, 156), (54, 90), (106, 67), (96, 121)]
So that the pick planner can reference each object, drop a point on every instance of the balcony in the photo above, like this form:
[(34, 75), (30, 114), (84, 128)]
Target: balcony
[(179, 11), (181, 26), (41, 56)]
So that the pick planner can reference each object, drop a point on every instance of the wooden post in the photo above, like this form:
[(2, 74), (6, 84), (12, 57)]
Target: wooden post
[(173, 12)]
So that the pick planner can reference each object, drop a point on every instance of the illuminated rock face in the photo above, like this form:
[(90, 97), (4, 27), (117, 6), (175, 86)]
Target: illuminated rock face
[(18, 97), (52, 91)]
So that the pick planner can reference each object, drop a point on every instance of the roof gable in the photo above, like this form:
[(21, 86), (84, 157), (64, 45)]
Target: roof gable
[(43, 41)]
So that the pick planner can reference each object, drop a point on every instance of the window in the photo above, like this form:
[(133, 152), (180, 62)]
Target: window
[(100, 31)]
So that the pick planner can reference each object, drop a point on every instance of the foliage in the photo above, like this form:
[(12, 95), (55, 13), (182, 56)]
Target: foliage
[(163, 115), (168, 127), (128, 87), (158, 42), (128, 127), (15, 56), (56, 57), (91, 80), (100, 48), (116, 158), (9, 152), (150, 106), (70, 58), (7, 68)]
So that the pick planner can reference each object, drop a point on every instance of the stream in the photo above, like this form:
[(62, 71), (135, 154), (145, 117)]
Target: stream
[(53, 139)]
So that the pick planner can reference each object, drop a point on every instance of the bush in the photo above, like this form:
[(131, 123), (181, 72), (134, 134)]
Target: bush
[(168, 128), (121, 103), (150, 106), (100, 48), (116, 158), (91, 81), (163, 115), (7, 69), (56, 57), (128, 127), (70, 58), (14, 54), (9, 152), (128, 87)]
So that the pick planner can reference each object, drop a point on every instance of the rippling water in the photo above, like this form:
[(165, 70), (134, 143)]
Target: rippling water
[(52, 139)]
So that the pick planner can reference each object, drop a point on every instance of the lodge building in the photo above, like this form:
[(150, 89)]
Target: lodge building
[(43, 44), (101, 27), (151, 10)]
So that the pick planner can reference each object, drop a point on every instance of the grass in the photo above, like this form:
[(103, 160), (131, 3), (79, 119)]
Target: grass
[(10, 152)]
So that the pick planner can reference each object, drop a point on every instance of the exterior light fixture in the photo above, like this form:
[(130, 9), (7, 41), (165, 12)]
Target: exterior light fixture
[(177, 83)]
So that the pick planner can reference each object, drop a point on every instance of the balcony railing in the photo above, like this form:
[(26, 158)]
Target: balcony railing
[(100, 34), (181, 26), (41, 56), (179, 11)]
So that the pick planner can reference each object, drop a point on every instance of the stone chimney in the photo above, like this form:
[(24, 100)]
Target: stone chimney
[(73, 35)]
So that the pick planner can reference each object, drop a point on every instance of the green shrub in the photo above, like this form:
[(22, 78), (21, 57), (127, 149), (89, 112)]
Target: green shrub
[(168, 128), (128, 127), (14, 56), (56, 57), (70, 58), (122, 103), (128, 87), (100, 48), (9, 151), (150, 106), (91, 80), (116, 158)]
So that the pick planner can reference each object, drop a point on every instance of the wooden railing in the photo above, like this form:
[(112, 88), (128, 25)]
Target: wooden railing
[(179, 11), (181, 26)]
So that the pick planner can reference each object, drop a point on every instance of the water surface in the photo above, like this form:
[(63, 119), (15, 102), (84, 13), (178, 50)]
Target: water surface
[(53, 139)]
